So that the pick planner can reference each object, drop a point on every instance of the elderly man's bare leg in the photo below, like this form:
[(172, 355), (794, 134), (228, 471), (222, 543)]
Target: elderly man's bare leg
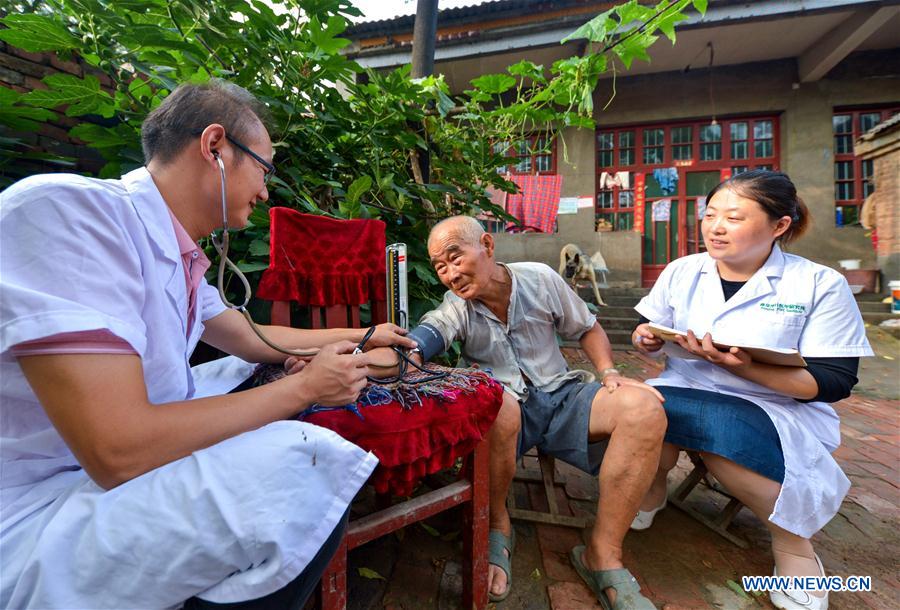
[(634, 421), (504, 438)]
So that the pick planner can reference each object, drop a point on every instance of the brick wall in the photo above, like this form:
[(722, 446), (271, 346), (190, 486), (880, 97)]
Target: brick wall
[(23, 71), (887, 207)]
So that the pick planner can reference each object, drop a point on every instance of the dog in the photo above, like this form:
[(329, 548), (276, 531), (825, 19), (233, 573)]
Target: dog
[(575, 265)]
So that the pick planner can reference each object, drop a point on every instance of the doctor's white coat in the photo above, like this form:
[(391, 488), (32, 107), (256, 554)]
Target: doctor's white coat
[(235, 521), (790, 302)]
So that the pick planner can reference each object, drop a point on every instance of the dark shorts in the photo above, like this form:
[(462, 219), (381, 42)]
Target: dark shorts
[(724, 425), (557, 424)]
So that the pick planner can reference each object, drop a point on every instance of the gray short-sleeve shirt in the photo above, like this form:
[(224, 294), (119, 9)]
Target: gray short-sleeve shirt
[(541, 307)]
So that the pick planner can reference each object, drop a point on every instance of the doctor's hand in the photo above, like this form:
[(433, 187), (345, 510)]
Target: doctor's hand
[(733, 358), (613, 382), (388, 334), (644, 341), (335, 376)]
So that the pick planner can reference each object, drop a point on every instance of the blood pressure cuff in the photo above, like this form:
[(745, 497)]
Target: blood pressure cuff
[(429, 341)]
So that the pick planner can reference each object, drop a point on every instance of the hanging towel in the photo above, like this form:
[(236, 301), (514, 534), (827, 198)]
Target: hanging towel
[(537, 202), (667, 178)]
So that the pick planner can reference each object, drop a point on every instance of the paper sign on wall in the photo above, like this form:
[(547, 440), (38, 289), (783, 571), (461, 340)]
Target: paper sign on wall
[(662, 210), (568, 205)]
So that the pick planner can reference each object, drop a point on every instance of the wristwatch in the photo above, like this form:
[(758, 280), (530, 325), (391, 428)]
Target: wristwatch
[(607, 372)]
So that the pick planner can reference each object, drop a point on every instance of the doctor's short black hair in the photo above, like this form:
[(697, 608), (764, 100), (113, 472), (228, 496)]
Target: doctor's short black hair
[(775, 194), (192, 106)]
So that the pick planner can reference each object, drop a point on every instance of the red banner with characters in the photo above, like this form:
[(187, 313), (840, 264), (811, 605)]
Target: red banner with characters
[(639, 202)]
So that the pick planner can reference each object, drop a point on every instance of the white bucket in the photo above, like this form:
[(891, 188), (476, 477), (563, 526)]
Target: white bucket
[(849, 263), (895, 296)]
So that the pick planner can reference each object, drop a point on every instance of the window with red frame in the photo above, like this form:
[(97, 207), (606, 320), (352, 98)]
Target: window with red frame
[(535, 155), (736, 144), (852, 175)]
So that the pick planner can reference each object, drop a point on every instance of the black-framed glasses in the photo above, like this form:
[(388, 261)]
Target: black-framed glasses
[(270, 169)]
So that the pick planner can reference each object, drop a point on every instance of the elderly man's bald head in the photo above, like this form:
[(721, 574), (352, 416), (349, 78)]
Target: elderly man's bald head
[(464, 228)]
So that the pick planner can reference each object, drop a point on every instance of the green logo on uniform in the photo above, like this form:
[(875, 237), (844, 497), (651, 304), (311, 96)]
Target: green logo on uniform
[(783, 307)]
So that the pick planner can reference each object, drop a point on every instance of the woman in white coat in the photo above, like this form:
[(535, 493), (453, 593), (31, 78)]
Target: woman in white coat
[(766, 432)]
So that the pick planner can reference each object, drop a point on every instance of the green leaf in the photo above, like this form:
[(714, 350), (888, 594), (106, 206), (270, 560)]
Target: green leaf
[(528, 69), (258, 247), (247, 267), (595, 30), (36, 33), (430, 529), (634, 47), (370, 574), (357, 188), (23, 118), (667, 23), (424, 272), (494, 84), (632, 11), (100, 137), (83, 96), (700, 5)]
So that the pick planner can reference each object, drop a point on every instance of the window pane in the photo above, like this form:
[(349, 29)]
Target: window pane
[(762, 130), (605, 140), (711, 133), (768, 167), (843, 191), (868, 120), (626, 157), (843, 145), (681, 135), (763, 148), (626, 199), (524, 165), (710, 152), (605, 158), (843, 170), (738, 169), (626, 139), (739, 131), (681, 152), (654, 137), (653, 155), (701, 183), (605, 199), (868, 189), (851, 214), (624, 221), (522, 147), (739, 150), (866, 169), (842, 123), (543, 163)]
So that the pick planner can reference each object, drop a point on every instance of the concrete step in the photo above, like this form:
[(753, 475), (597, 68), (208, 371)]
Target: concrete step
[(874, 318), (873, 306), (617, 311), (870, 296), (616, 301), (609, 324)]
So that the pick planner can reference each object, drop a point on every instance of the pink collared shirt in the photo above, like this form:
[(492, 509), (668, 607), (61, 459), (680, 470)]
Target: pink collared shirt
[(101, 341)]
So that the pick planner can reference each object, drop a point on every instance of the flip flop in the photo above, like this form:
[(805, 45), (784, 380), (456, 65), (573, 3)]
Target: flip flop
[(628, 591), (497, 544)]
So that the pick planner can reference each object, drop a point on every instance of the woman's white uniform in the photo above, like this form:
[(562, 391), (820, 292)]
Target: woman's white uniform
[(790, 302), (232, 522)]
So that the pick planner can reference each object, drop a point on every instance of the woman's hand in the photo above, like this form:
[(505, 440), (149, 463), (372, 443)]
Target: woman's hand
[(388, 334), (614, 381), (644, 341), (734, 358)]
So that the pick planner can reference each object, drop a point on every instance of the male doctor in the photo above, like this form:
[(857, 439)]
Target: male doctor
[(120, 487)]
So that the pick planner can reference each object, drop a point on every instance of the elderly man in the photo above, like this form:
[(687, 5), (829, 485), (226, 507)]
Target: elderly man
[(122, 487), (507, 318)]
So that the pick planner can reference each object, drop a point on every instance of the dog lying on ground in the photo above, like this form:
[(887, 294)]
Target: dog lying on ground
[(575, 265)]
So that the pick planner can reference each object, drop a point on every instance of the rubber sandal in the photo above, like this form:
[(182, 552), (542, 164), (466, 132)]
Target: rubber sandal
[(628, 591), (497, 544)]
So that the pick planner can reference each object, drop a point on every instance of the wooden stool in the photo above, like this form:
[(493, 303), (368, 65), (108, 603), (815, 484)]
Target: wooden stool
[(547, 475), (719, 524)]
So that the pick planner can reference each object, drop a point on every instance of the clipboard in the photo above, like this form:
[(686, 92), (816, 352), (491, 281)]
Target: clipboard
[(766, 355)]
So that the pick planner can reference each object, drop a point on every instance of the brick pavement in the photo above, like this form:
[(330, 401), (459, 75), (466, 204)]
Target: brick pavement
[(680, 563)]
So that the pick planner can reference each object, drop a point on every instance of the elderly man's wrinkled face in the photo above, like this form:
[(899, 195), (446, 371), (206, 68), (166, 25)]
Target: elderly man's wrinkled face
[(463, 268)]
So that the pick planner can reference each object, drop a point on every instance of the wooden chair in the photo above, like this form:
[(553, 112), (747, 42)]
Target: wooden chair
[(720, 522), (470, 491)]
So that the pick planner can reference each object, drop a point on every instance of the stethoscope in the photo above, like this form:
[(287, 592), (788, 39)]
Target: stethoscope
[(403, 360)]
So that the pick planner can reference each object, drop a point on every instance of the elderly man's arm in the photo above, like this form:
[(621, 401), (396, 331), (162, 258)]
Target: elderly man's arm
[(596, 345)]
